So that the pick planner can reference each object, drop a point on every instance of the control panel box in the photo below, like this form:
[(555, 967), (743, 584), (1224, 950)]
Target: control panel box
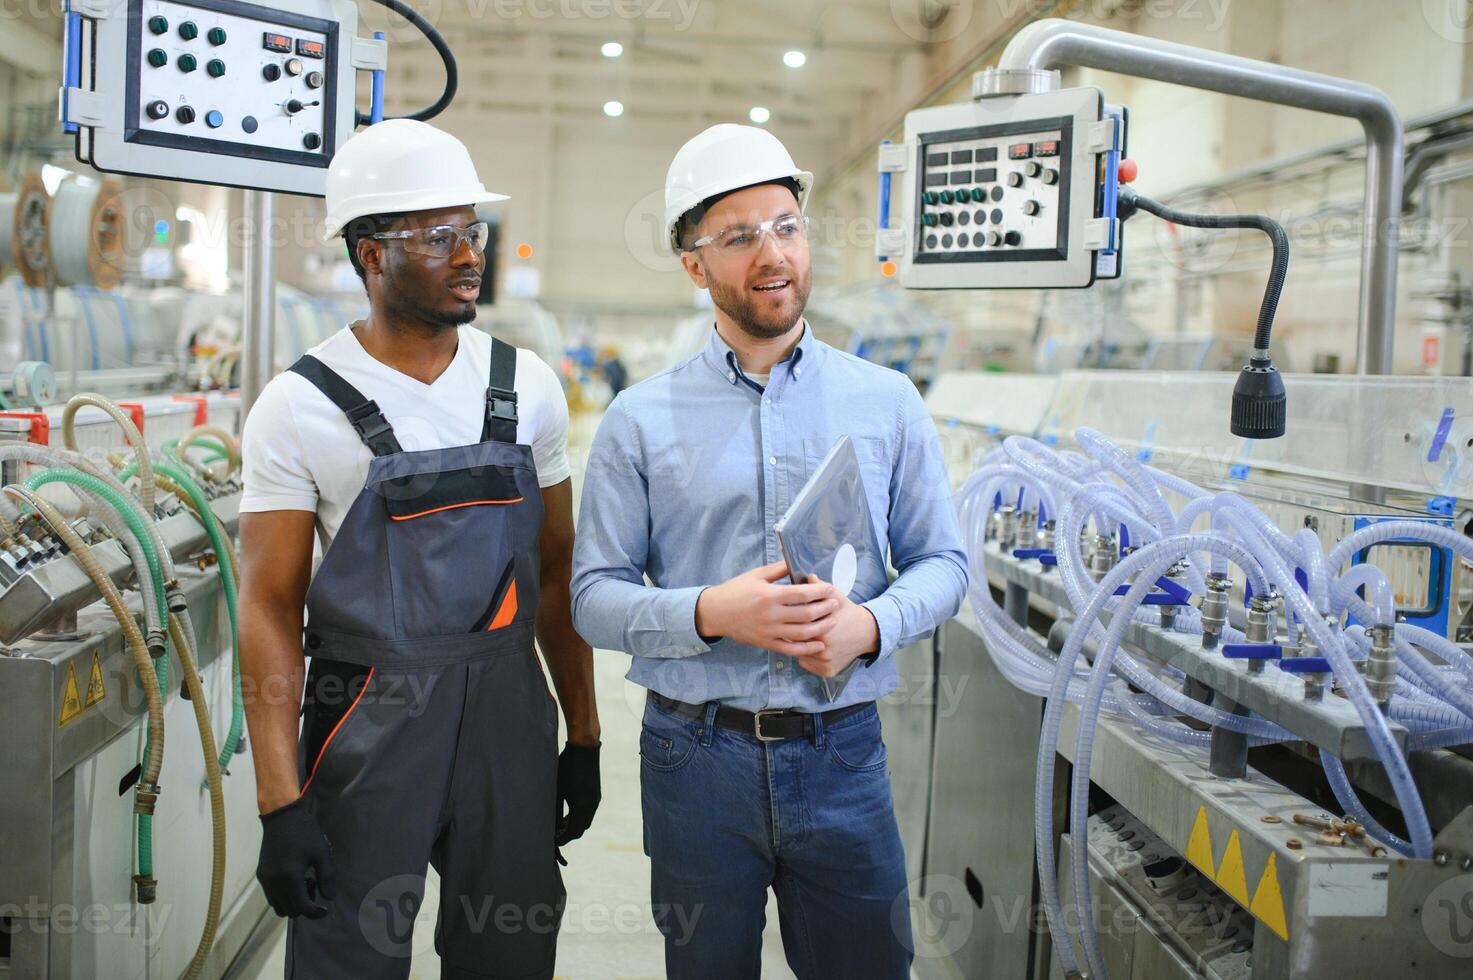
[(1004, 192), (218, 91)]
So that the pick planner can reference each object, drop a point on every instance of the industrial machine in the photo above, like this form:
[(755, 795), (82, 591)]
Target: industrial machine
[(91, 688), (1209, 711), (117, 518)]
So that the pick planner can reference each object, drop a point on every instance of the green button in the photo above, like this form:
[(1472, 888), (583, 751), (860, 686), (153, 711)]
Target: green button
[(187, 62), (928, 218), (947, 197), (158, 57), (189, 30), (979, 195), (216, 35), (216, 67), (158, 24), (930, 197)]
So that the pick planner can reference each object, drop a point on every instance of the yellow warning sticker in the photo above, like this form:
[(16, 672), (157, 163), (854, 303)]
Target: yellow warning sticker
[(1230, 875), (71, 697), (1199, 845), (96, 687), (1268, 900)]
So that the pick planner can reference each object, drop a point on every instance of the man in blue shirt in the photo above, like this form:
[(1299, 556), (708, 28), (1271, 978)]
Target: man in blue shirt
[(751, 777)]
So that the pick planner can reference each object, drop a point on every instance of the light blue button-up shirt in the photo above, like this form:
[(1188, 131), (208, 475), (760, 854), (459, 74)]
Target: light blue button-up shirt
[(689, 472)]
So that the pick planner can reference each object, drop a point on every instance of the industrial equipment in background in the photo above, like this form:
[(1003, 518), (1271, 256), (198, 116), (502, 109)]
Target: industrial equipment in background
[(1231, 673), (117, 514)]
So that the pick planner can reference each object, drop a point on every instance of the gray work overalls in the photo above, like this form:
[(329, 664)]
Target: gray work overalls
[(429, 734)]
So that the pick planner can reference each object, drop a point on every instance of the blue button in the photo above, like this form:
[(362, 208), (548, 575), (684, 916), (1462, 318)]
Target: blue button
[(248, 124), (213, 119)]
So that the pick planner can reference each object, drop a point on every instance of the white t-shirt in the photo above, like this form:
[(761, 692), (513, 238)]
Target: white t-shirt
[(299, 452)]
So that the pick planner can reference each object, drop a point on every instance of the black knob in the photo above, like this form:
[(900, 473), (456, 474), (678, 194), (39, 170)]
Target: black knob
[(294, 106), (271, 72), (158, 109), (184, 114), (311, 141), (1012, 238), (1030, 207), (946, 218)]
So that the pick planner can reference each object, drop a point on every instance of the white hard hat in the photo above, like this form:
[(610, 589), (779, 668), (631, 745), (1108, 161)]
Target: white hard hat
[(399, 165), (724, 158)]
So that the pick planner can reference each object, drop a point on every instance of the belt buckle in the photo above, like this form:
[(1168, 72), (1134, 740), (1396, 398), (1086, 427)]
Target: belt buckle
[(757, 724)]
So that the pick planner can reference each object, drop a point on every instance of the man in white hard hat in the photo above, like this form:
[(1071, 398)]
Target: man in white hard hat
[(430, 459), (751, 777)]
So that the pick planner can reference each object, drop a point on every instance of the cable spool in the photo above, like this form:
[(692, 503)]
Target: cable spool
[(87, 232), (25, 242)]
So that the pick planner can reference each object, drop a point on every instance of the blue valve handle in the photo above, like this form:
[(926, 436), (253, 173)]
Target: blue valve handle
[(1171, 594), (1031, 552), (1109, 205), (1253, 651), (71, 63), (1048, 558), (884, 215), (1305, 665), (376, 100)]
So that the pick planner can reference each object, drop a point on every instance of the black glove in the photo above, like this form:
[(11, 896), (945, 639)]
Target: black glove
[(295, 868), (578, 787)]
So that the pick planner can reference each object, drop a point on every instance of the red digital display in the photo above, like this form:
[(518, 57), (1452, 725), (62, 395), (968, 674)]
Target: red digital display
[(1046, 148), (1020, 151), (311, 49), (276, 42)]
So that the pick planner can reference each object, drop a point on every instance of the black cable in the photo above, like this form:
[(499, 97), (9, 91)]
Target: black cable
[(1278, 271), (452, 74), (1259, 409)]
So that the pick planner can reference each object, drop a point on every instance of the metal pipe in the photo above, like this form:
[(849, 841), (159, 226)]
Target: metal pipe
[(257, 332), (1055, 43)]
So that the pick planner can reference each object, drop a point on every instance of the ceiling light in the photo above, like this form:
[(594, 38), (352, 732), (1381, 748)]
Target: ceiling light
[(795, 59), (613, 107), (759, 114), (612, 49)]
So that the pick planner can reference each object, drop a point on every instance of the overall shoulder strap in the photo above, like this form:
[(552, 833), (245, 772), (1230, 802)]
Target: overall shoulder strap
[(501, 395), (362, 412)]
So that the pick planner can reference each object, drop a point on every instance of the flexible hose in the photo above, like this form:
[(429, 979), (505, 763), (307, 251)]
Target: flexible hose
[(153, 759), (452, 74), (1278, 271), (225, 440), (184, 647), (130, 433), (225, 564)]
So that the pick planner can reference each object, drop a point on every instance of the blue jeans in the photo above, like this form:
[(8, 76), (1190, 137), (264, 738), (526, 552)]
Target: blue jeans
[(727, 816)]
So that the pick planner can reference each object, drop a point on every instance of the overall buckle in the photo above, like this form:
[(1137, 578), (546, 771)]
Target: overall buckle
[(501, 405), (757, 717), (369, 422)]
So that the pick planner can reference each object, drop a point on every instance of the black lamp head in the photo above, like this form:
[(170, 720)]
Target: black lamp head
[(1259, 409)]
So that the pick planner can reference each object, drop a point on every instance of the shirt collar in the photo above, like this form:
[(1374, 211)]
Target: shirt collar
[(723, 359)]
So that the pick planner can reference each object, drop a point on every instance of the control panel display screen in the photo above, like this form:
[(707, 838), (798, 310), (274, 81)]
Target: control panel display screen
[(1015, 209)]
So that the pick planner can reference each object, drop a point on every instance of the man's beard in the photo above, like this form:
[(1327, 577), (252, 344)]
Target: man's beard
[(439, 318), (739, 304)]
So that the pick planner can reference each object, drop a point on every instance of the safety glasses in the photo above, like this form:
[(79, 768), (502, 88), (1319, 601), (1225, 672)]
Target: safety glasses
[(786, 229), (440, 241)]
